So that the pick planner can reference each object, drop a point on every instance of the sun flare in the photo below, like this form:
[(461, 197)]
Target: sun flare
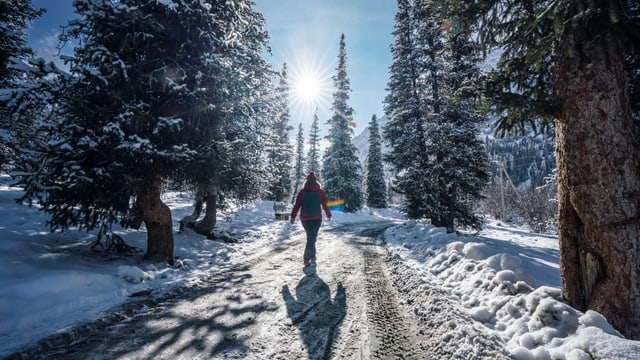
[(310, 87), (307, 87)]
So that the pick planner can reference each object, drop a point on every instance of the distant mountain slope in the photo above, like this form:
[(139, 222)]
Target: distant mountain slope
[(527, 158)]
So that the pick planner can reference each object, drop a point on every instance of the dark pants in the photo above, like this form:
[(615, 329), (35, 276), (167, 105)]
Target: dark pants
[(311, 227)]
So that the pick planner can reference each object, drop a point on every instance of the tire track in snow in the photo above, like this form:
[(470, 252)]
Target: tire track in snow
[(391, 335)]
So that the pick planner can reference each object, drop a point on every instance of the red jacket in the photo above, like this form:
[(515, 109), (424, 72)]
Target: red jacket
[(315, 215)]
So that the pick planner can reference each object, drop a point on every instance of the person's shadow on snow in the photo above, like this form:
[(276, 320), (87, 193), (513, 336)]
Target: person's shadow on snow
[(316, 316)]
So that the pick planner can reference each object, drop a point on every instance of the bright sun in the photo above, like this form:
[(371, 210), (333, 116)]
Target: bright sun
[(307, 87), (310, 85)]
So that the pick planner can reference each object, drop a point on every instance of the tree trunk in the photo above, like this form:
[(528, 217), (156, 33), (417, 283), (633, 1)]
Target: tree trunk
[(201, 193), (598, 182), (208, 222), (445, 221), (157, 218)]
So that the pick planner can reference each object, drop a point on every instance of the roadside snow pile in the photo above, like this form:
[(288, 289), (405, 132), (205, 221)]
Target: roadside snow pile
[(503, 281)]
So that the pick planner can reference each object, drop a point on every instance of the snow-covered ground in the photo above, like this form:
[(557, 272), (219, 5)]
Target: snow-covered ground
[(504, 280)]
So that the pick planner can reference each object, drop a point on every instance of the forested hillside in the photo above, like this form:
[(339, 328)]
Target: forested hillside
[(527, 158)]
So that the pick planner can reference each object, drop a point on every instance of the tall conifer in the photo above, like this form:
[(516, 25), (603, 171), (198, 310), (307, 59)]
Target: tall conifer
[(15, 16), (405, 130), (313, 157), (280, 153), (155, 90), (341, 170), (375, 182), (441, 167), (298, 172)]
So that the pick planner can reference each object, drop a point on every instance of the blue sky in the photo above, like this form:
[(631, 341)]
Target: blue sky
[(305, 34)]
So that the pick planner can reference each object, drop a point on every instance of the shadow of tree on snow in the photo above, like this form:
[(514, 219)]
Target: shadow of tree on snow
[(173, 325), (215, 329), (315, 314)]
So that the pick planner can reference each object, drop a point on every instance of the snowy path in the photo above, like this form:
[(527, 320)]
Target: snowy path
[(359, 305)]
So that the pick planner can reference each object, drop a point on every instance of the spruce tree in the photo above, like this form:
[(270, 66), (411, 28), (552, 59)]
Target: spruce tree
[(405, 131), (151, 92), (427, 39), (298, 172), (15, 16), (375, 184), (313, 156), (341, 169), (234, 124), (568, 63), (459, 163), (280, 153), (441, 164)]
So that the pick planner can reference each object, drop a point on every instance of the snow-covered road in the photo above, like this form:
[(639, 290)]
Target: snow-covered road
[(267, 308), (424, 294)]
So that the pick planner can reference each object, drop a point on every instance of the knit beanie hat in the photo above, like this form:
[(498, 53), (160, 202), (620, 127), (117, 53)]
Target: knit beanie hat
[(312, 176)]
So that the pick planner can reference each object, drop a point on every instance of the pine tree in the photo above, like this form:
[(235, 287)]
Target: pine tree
[(405, 130), (441, 164), (433, 203), (234, 123), (568, 62), (298, 173), (375, 185), (280, 153), (459, 162), (151, 92), (341, 170), (15, 16), (313, 156)]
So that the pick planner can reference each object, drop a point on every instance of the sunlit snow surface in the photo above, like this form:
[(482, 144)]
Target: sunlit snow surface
[(506, 277)]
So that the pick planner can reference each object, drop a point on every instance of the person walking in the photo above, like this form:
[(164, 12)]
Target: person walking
[(311, 200)]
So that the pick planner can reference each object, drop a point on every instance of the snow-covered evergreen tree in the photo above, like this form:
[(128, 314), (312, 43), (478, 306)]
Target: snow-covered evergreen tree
[(444, 177), (375, 182), (461, 162), (405, 130), (341, 169), (298, 172), (313, 156), (156, 86), (15, 16), (280, 153), (235, 124)]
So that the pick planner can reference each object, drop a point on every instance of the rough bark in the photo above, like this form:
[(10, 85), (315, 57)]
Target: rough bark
[(598, 183), (208, 222), (157, 219)]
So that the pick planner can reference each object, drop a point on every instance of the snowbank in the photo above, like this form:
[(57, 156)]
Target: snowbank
[(508, 280)]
